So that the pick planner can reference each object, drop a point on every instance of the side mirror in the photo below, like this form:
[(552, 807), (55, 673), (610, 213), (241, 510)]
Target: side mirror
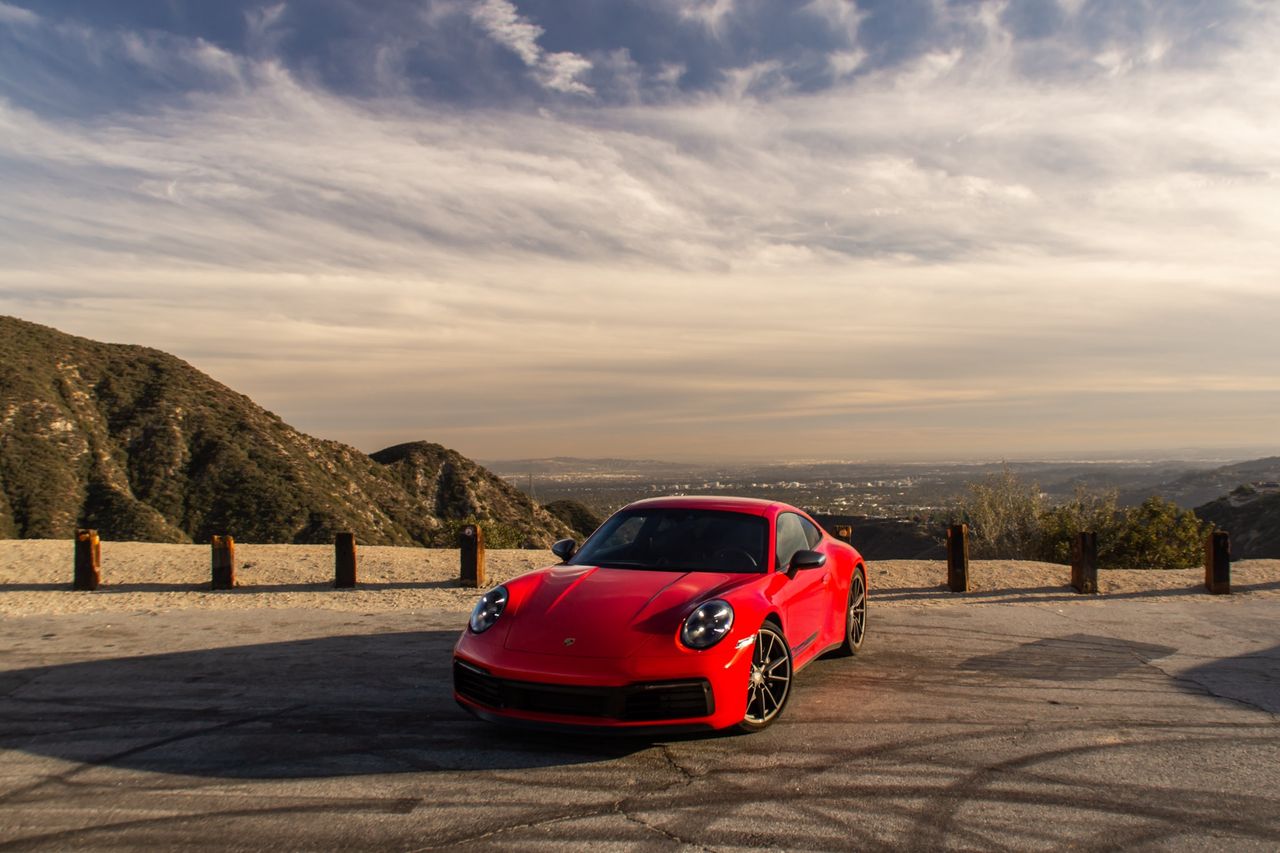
[(566, 548), (807, 560)]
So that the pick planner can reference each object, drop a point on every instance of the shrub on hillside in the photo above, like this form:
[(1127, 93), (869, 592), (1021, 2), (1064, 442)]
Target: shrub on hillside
[(1008, 520), (1158, 535), (577, 516), (496, 534), (1003, 517), (1086, 511)]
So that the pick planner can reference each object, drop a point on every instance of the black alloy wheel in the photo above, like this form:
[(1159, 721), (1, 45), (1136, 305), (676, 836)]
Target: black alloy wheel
[(769, 684), (855, 619)]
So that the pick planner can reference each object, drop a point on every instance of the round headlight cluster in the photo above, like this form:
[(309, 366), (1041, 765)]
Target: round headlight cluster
[(488, 609), (707, 625)]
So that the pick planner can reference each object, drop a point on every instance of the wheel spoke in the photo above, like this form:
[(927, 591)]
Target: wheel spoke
[(772, 666)]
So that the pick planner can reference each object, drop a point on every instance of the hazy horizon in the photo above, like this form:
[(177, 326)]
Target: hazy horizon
[(678, 229), (1173, 455)]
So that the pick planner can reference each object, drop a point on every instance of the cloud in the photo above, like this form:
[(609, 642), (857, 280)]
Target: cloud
[(556, 71), (264, 35), (500, 20), (943, 252), (17, 16), (708, 13)]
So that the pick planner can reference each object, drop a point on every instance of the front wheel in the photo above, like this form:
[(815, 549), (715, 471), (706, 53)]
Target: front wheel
[(855, 616), (769, 684)]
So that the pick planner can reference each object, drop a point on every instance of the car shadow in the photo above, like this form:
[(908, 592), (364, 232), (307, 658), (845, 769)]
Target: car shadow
[(334, 706)]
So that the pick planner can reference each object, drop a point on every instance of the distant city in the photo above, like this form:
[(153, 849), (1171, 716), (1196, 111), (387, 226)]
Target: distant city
[(879, 490)]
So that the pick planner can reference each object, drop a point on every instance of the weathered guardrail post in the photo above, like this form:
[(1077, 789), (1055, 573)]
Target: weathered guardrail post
[(958, 558), (344, 560), (88, 564), (224, 562), (844, 532), (471, 547), (1084, 563), (1217, 563)]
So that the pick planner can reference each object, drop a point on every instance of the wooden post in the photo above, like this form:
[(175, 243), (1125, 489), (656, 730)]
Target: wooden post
[(958, 558), (471, 545), (224, 562), (1084, 563), (344, 560), (1217, 563), (88, 564), (844, 532)]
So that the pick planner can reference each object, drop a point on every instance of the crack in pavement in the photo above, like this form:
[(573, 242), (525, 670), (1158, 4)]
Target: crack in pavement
[(620, 807), (1205, 689), (671, 836), (532, 824)]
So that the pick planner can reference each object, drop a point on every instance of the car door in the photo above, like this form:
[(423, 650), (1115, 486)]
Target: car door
[(806, 592)]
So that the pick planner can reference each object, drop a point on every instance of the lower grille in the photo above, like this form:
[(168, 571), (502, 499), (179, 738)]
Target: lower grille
[(658, 700)]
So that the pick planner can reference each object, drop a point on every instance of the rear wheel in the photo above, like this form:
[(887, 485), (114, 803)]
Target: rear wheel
[(769, 684), (855, 616)]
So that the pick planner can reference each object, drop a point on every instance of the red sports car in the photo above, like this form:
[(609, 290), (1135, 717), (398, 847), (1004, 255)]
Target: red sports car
[(678, 613)]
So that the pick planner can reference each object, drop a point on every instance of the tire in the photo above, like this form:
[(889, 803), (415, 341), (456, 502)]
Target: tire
[(769, 682), (855, 616)]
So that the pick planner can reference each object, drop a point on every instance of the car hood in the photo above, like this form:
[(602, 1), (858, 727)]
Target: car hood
[(585, 611)]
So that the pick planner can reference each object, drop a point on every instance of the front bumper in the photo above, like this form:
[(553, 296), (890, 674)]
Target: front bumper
[(646, 702), (684, 691)]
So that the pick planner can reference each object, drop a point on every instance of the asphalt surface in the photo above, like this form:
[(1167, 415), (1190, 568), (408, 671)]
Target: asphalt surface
[(1094, 725)]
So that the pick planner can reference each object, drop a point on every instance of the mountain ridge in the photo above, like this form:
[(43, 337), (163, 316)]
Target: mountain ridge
[(139, 444), (1251, 513)]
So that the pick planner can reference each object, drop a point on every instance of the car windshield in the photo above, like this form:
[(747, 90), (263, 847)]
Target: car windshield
[(679, 540)]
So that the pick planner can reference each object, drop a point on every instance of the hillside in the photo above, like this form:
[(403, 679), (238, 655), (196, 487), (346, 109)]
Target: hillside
[(889, 538), (141, 445), (1252, 515), (1199, 487)]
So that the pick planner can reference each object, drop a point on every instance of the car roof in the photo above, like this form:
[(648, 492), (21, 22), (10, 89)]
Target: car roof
[(749, 506)]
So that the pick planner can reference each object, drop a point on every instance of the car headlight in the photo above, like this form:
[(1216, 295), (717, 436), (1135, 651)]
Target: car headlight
[(707, 625), (488, 609)]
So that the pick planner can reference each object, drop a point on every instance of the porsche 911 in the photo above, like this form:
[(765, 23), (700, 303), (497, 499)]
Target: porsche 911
[(681, 613)]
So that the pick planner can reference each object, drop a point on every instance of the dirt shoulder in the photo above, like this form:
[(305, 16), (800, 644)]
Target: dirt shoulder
[(35, 578)]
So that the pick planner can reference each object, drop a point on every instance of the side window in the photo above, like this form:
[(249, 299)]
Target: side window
[(811, 532), (791, 538)]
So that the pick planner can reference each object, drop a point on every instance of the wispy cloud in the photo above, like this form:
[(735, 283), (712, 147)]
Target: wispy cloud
[(557, 71)]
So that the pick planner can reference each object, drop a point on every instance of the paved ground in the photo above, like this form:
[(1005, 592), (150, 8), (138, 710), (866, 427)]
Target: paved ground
[(1102, 724)]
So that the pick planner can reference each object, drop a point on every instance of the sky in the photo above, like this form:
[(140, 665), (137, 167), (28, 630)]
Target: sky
[(705, 230)]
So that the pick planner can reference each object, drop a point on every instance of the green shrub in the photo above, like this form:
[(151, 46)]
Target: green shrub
[(1085, 512), (1157, 535), (496, 534), (1009, 520)]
